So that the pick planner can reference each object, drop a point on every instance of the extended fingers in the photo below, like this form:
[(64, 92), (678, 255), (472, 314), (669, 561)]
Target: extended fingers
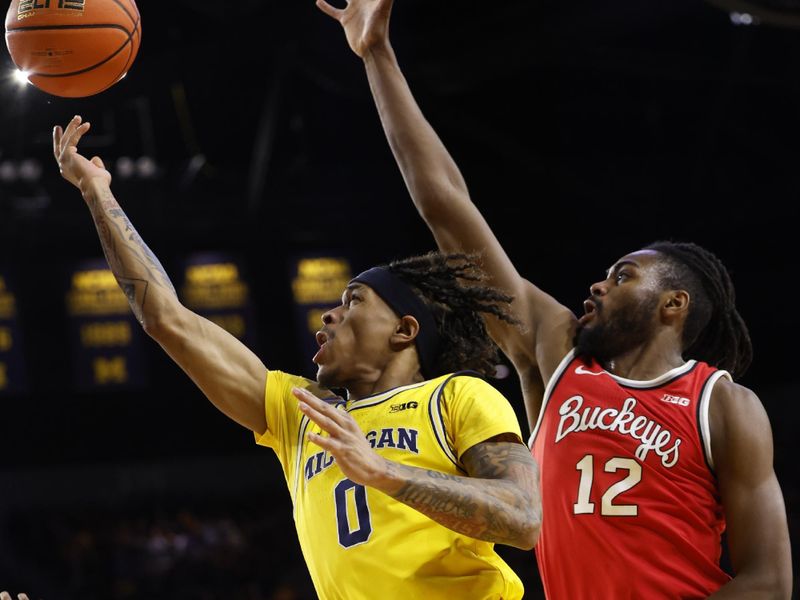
[(329, 10), (317, 404), (326, 423), (326, 443), (322, 413), (57, 133), (77, 134), (68, 130), (72, 134)]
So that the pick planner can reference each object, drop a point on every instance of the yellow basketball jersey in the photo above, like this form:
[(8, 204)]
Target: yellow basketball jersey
[(362, 544)]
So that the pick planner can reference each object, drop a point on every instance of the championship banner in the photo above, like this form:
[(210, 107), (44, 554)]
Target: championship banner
[(215, 287), (317, 286), (12, 364), (106, 339)]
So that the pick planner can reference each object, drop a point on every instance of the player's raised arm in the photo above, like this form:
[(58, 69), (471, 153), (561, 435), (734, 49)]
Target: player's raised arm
[(755, 514), (441, 195), (229, 374)]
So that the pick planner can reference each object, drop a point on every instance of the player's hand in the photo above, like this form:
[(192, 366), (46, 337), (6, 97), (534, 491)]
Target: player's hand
[(365, 22), (345, 440), (75, 168), (7, 596)]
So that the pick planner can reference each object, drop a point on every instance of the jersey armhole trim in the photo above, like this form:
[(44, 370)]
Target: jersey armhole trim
[(703, 425), (437, 418), (298, 466), (559, 372)]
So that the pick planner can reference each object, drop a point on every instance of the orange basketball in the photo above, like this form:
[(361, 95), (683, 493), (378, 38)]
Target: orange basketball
[(73, 48)]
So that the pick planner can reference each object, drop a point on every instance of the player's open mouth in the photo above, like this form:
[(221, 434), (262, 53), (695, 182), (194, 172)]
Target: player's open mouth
[(591, 310), (322, 339)]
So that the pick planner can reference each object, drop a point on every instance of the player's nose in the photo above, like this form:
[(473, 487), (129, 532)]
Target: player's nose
[(330, 316), (599, 288)]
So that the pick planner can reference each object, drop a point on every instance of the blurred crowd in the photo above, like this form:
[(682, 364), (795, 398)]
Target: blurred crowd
[(178, 554)]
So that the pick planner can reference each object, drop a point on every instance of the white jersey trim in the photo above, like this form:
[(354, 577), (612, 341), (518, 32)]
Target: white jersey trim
[(703, 410), (298, 466), (382, 396), (437, 421), (661, 379), (562, 366)]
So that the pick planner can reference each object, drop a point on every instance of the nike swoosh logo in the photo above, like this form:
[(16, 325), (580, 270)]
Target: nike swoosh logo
[(582, 371)]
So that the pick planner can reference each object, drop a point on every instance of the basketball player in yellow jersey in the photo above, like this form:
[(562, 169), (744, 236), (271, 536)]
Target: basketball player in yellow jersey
[(399, 491)]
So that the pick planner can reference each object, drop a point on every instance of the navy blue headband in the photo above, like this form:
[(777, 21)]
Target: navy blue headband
[(403, 301)]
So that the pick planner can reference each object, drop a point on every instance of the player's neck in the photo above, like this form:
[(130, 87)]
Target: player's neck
[(647, 361), (395, 375)]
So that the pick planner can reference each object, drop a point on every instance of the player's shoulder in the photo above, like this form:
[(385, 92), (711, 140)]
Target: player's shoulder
[(286, 381), (466, 384), (736, 409), (731, 396), (460, 379)]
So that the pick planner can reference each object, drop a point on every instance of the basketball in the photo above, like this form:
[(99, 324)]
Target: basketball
[(73, 48)]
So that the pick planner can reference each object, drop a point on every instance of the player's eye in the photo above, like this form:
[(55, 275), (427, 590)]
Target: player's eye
[(621, 276)]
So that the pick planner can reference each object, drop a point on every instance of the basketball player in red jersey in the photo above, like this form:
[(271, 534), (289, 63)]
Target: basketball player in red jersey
[(648, 449)]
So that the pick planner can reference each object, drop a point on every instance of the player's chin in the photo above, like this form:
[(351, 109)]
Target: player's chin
[(326, 376)]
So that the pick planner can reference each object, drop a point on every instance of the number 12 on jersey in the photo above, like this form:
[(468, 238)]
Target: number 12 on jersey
[(607, 508)]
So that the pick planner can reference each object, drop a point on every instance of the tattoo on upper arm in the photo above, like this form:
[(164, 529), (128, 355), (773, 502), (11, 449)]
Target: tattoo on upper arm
[(497, 460), (492, 504)]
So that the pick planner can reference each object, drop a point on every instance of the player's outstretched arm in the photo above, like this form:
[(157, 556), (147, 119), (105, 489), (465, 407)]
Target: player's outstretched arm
[(758, 534), (442, 198), (498, 502), (229, 374)]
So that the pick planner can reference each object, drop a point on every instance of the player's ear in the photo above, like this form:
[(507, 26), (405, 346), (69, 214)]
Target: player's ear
[(406, 330), (675, 304)]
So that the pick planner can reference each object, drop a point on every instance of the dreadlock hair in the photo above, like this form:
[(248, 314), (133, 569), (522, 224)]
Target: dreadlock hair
[(452, 287), (714, 331)]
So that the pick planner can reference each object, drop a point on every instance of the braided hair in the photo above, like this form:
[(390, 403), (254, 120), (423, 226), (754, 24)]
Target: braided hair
[(714, 331), (452, 287)]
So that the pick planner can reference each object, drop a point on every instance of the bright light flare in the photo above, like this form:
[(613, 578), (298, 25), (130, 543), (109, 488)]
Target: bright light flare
[(21, 77), (745, 19)]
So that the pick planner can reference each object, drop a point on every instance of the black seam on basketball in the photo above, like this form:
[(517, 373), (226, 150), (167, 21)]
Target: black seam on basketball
[(129, 62), (131, 53), (56, 27), (102, 62), (125, 10)]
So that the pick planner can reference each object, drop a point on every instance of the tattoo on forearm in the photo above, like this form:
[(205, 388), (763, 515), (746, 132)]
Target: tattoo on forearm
[(134, 265), (133, 236), (495, 503)]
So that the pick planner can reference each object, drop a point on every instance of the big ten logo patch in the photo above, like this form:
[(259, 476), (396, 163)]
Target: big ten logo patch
[(28, 8), (669, 399), (110, 370), (404, 406)]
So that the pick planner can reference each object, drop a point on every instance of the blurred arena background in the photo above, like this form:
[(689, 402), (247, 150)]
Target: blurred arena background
[(246, 150)]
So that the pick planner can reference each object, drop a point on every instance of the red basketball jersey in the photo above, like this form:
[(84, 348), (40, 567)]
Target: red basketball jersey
[(630, 508)]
